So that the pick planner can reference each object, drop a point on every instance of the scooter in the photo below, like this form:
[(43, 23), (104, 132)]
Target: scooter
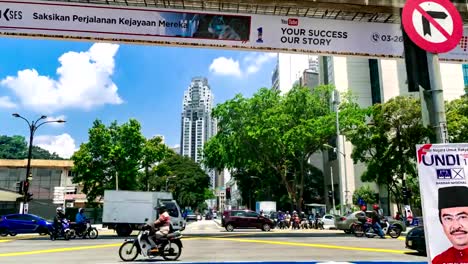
[(88, 231), (169, 247), (367, 229), (64, 231)]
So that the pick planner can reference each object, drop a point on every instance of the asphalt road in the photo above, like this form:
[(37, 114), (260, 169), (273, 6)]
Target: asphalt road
[(207, 241)]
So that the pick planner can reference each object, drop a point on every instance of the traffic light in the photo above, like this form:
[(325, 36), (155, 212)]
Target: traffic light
[(416, 65), (228, 193), (19, 187), (25, 186), (29, 197), (330, 195)]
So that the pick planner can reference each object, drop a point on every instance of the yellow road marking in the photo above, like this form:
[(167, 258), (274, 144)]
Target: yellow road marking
[(54, 250), (57, 250), (5, 240), (395, 251), (297, 244)]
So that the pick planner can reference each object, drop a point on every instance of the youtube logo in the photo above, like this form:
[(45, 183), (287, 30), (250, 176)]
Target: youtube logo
[(293, 22)]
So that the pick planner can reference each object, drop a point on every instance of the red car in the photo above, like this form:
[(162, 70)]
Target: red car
[(243, 219)]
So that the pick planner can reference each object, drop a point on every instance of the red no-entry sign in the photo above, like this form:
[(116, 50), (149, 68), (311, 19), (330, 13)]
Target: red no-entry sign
[(433, 25)]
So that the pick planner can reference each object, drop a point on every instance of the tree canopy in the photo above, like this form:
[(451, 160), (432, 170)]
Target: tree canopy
[(16, 147), (182, 176), (386, 143), (272, 137), (112, 151), (457, 119)]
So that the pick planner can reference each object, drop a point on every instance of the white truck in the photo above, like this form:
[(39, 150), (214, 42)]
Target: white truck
[(126, 211)]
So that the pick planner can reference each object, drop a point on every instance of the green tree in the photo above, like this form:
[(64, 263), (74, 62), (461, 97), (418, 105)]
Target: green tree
[(154, 151), (457, 120), (365, 193), (272, 135), (187, 181), (387, 144), (16, 147), (113, 151)]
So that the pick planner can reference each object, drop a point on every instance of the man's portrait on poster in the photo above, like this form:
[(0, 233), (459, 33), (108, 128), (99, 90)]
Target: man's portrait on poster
[(453, 216)]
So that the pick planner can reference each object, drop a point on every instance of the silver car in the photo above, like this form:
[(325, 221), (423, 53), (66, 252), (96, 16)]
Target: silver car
[(345, 222)]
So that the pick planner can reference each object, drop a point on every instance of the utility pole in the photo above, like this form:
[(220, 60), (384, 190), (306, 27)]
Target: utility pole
[(439, 123), (333, 190), (116, 181)]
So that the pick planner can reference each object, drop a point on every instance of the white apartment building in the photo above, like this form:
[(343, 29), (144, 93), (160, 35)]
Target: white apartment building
[(372, 81), (197, 124)]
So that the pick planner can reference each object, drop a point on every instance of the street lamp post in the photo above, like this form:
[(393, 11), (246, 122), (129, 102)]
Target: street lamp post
[(33, 126), (336, 102)]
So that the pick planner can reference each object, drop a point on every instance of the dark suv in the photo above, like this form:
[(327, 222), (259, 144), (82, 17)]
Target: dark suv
[(245, 219)]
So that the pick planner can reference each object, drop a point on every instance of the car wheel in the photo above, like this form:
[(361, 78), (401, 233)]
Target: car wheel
[(266, 227), (395, 232), (229, 228), (4, 232), (13, 234), (124, 230), (347, 231)]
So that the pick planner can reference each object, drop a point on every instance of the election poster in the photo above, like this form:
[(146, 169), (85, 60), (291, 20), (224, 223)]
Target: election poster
[(442, 170)]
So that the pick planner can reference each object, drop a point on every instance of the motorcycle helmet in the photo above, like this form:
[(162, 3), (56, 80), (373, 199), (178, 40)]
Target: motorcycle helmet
[(363, 208), (59, 209), (375, 207), (81, 210)]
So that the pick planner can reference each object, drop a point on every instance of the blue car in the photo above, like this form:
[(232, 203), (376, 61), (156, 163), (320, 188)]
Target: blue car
[(23, 224)]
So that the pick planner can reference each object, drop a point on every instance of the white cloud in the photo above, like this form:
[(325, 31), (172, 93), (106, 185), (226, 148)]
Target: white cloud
[(225, 66), (257, 60), (52, 118), (63, 145), (251, 64), (84, 82), (5, 102)]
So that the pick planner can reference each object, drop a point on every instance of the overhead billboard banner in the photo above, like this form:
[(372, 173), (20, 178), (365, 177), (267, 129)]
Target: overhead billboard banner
[(221, 30), (442, 170)]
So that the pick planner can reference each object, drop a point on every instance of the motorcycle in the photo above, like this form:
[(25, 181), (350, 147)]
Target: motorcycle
[(282, 224), (169, 247), (88, 231), (64, 231), (366, 228)]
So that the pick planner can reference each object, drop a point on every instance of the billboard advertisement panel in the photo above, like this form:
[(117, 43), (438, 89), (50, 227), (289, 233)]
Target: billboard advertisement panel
[(46, 19), (442, 170)]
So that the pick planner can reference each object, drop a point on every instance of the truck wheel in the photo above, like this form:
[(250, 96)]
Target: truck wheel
[(123, 230)]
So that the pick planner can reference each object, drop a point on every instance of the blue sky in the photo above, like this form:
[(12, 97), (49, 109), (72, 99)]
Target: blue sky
[(114, 82)]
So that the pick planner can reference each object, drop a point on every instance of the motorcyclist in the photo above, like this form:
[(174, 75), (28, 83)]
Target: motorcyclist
[(59, 216), (81, 219), (164, 224), (376, 217)]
